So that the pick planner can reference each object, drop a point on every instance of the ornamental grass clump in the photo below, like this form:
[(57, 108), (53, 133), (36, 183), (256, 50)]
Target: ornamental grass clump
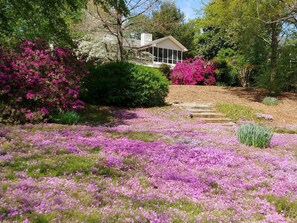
[(270, 101), (254, 135)]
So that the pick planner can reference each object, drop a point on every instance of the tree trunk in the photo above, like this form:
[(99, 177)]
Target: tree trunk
[(120, 53), (273, 56)]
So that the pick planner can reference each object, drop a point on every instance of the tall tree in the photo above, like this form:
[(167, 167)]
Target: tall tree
[(116, 14), (167, 20), (51, 19), (246, 21)]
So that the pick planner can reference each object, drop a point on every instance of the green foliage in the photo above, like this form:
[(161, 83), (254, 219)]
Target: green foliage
[(233, 69), (237, 112), (284, 206), (208, 40), (143, 136), (285, 130), (68, 118), (226, 74), (125, 84), (165, 69), (252, 28), (270, 101), (254, 135), (168, 20), (64, 165), (190, 208), (226, 53), (120, 6), (287, 62), (263, 80), (51, 20)]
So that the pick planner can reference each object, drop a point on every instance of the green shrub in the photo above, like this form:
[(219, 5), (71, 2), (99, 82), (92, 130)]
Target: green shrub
[(165, 69), (270, 101), (124, 84), (226, 75), (67, 118), (254, 135)]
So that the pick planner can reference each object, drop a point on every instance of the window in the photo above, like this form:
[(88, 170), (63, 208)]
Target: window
[(179, 56), (165, 56), (160, 54), (155, 50), (170, 56), (174, 56)]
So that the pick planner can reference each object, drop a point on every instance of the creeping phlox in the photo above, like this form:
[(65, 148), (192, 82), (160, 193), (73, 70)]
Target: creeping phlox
[(191, 172)]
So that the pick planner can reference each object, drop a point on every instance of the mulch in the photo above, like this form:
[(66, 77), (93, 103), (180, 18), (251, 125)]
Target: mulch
[(285, 113)]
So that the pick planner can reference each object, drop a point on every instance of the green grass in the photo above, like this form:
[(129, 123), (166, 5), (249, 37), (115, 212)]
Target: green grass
[(94, 114), (142, 136), (63, 165), (237, 112), (190, 208), (285, 130), (284, 206), (67, 118)]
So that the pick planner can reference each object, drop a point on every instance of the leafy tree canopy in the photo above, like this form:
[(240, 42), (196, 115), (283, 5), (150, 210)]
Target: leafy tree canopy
[(50, 19)]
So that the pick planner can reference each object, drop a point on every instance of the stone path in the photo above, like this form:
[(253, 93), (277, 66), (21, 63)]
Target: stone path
[(207, 112)]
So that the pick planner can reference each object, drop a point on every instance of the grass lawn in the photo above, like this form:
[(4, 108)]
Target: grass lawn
[(147, 165)]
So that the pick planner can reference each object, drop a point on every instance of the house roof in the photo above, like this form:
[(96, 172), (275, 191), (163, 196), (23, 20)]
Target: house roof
[(155, 42)]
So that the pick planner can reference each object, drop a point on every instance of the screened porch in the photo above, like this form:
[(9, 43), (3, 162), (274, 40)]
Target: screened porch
[(162, 55)]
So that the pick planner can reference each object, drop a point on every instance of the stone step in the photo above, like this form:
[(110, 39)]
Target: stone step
[(206, 112), (199, 108), (209, 110), (207, 115), (217, 120), (228, 124)]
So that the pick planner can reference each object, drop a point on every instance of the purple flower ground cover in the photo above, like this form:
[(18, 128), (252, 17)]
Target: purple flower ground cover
[(153, 165)]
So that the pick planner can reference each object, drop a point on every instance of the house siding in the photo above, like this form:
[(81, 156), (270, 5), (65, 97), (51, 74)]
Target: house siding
[(168, 44)]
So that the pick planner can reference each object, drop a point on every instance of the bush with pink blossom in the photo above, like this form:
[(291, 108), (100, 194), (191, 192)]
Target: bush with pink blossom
[(36, 82), (194, 71)]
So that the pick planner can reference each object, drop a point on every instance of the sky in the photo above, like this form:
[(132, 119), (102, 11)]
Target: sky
[(189, 7)]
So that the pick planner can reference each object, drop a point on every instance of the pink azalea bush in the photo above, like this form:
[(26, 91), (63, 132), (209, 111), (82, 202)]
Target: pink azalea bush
[(36, 81), (193, 71)]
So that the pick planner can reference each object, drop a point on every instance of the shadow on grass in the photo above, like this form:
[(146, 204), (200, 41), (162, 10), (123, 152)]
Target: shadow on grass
[(98, 115)]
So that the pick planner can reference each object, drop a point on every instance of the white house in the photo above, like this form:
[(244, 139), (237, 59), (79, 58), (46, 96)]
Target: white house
[(102, 46), (166, 50)]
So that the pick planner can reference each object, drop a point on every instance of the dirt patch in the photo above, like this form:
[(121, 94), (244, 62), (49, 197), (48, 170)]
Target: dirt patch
[(285, 113)]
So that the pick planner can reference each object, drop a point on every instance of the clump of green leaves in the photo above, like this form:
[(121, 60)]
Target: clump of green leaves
[(284, 205), (165, 69), (270, 101), (254, 135), (68, 118)]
